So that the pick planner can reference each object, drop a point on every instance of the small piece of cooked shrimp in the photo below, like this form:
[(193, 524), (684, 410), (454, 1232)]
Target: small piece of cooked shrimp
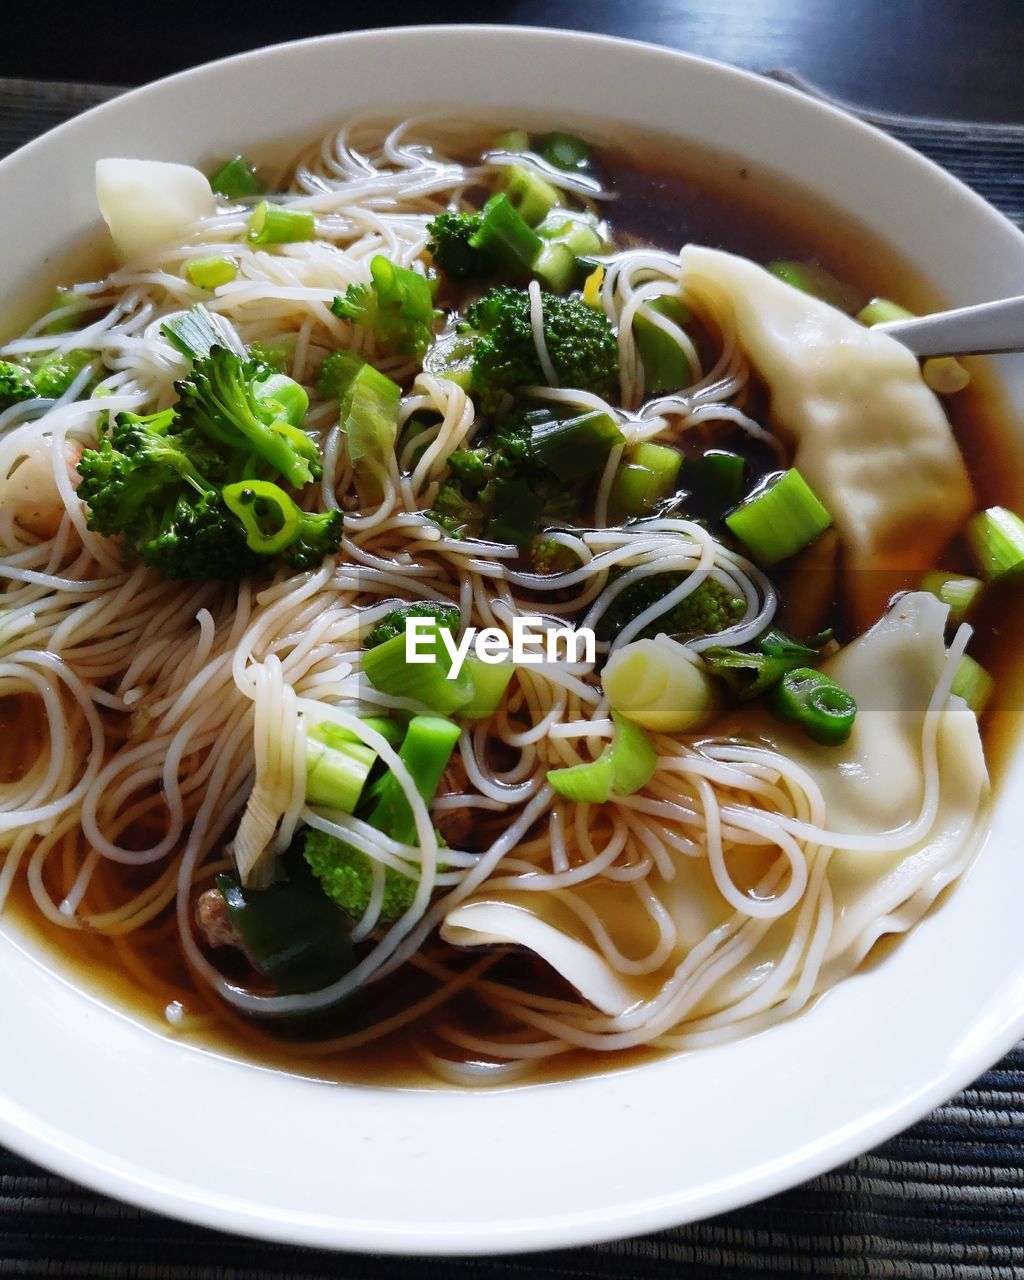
[(29, 490)]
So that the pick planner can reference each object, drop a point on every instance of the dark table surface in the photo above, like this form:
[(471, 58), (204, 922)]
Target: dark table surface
[(957, 58)]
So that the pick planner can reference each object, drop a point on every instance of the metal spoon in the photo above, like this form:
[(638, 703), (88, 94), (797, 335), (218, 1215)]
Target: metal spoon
[(990, 328)]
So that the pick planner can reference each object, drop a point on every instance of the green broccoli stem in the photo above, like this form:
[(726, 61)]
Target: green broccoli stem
[(425, 751)]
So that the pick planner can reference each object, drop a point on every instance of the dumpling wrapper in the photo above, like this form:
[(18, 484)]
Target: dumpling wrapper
[(870, 438), (150, 203), (872, 785)]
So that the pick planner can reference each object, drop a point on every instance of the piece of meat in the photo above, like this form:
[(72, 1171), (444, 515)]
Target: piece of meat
[(214, 922)]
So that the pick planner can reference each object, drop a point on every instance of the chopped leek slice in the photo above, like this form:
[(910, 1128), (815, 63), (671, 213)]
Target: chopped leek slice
[(779, 518), (564, 151), (624, 767), (647, 476), (715, 482), (336, 767), (996, 540), (279, 396), (490, 681), (236, 179), (812, 278), (369, 419), (506, 236), (425, 751), (388, 669), (666, 367), (577, 447), (530, 195), (974, 684), (960, 592), (195, 332), (659, 685)]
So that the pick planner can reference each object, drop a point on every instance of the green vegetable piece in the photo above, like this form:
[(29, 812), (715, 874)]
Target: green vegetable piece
[(15, 384), (647, 476), (779, 518), (512, 140), (506, 238), (55, 375), (490, 682), (577, 230), (531, 196), (388, 669), (257, 502), (369, 418), (219, 398), (823, 709), (195, 333), (452, 358), (752, 672), (974, 684), (425, 751), (564, 151), (666, 367), (813, 278), (882, 311), (555, 266), (578, 447), (337, 373), (960, 592), (622, 768), (450, 246), (705, 611), (996, 540), (716, 481), (393, 624), (337, 766), (279, 224), (517, 509), (345, 875), (397, 307), (236, 179), (275, 356), (280, 397), (210, 273), (292, 932)]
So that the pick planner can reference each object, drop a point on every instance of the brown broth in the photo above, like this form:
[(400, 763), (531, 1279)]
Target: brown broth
[(701, 197)]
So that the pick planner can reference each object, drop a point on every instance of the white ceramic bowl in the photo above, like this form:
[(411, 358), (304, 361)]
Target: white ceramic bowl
[(88, 1091)]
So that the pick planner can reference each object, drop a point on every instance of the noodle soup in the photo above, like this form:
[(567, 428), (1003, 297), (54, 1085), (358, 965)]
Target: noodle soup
[(469, 378)]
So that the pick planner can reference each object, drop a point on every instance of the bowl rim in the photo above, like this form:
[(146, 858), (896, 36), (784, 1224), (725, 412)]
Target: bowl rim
[(32, 1137)]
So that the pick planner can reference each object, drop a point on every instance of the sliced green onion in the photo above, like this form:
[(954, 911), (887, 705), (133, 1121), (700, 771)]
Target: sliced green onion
[(279, 396), (236, 179), (452, 358), (389, 670), (577, 230), (195, 332), (974, 684), (576, 447), (425, 751), (278, 224), (490, 682), (256, 501), (369, 419), (292, 932), (883, 311), (531, 196), (589, 783), (564, 151), (996, 540), (812, 278), (666, 367), (647, 477), (555, 265), (72, 304), (959, 591), (623, 767), (779, 518), (823, 709), (716, 481), (506, 236), (516, 511), (209, 273), (336, 770)]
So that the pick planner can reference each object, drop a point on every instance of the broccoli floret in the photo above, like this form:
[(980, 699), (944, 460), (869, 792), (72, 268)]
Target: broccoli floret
[(337, 373), (456, 514), (347, 877), (319, 535), (550, 557), (580, 343), (704, 612), (393, 624), (142, 481), (56, 374), (454, 255), (397, 307), (218, 399), (274, 356), (15, 384)]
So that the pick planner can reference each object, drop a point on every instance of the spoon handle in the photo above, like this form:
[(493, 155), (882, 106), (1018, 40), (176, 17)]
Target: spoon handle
[(990, 328)]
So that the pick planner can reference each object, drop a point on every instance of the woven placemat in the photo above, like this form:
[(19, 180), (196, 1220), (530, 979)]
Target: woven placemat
[(944, 1199)]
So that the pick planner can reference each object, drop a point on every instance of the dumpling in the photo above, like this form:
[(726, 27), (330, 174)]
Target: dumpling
[(873, 786), (871, 439)]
